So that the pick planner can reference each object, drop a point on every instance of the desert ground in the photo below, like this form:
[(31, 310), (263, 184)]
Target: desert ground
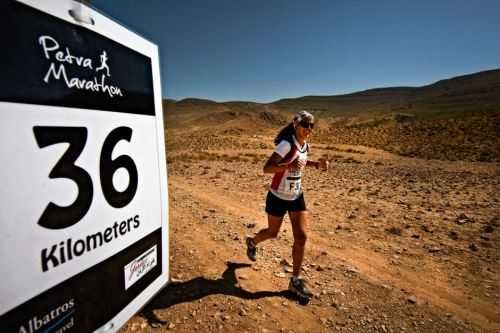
[(395, 243)]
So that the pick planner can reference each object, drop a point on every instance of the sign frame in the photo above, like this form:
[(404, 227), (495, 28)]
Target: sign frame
[(129, 232)]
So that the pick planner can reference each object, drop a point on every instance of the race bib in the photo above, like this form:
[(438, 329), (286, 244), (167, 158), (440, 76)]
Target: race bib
[(292, 183)]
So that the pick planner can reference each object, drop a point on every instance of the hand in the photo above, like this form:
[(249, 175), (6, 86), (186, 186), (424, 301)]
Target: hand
[(323, 164), (297, 164)]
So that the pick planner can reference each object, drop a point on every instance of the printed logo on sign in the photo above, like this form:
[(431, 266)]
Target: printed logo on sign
[(139, 267), (52, 50), (59, 318)]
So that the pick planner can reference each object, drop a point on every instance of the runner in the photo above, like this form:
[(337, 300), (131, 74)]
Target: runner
[(287, 163)]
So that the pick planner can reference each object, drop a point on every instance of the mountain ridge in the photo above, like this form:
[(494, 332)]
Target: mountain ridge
[(478, 80)]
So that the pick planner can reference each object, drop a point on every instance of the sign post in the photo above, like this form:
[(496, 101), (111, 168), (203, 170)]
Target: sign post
[(84, 213)]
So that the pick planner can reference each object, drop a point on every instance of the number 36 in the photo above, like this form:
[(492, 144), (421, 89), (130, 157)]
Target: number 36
[(58, 217)]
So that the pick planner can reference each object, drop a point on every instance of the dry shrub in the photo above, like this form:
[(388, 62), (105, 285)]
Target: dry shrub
[(256, 160), (354, 151), (395, 231)]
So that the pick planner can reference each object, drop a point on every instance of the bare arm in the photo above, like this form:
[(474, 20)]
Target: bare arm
[(311, 163), (273, 164), (321, 163)]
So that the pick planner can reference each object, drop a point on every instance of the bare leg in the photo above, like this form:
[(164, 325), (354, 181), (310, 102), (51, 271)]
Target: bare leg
[(274, 225), (299, 222)]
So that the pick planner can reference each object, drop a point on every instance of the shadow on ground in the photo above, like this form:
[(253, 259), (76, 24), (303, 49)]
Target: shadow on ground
[(197, 288)]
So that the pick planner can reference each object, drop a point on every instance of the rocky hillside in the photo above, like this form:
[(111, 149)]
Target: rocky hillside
[(453, 97), (474, 138), (452, 119)]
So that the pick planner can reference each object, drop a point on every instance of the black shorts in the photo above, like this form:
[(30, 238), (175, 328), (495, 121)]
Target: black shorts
[(278, 207)]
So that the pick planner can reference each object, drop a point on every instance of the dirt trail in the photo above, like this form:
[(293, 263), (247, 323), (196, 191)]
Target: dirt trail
[(388, 249)]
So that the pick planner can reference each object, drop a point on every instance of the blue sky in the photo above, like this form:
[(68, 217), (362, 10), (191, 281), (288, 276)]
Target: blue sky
[(266, 50)]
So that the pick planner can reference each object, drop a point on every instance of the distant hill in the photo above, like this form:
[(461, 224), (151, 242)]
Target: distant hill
[(451, 119), (472, 92), (467, 93)]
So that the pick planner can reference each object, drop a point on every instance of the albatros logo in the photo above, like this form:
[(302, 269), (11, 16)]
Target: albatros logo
[(137, 268)]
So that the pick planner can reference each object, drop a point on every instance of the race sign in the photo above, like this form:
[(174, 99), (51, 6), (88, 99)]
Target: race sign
[(84, 214)]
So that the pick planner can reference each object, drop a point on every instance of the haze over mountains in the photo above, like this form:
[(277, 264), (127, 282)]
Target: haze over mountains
[(452, 119)]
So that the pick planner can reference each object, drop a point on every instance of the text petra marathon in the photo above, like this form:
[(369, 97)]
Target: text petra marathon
[(74, 82)]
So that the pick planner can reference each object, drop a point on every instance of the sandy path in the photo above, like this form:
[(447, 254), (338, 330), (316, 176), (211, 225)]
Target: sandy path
[(412, 279)]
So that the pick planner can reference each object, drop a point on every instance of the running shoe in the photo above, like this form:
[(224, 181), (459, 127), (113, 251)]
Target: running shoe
[(251, 249), (299, 287)]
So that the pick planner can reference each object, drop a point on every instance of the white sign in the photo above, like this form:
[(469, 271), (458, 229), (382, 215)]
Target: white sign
[(84, 197)]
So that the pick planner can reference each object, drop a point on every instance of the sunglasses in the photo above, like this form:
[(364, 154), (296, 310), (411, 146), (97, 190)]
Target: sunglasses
[(306, 124)]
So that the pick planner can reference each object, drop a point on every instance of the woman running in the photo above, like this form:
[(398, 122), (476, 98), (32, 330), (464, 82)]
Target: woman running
[(287, 163)]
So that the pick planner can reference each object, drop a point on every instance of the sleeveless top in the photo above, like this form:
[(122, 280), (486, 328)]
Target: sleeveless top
[(286, 185)]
